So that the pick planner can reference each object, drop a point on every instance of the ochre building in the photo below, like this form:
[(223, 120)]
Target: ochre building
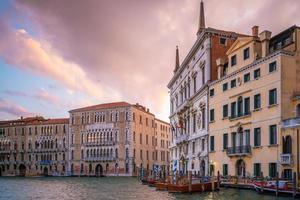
[(254, 107), (33, 146)]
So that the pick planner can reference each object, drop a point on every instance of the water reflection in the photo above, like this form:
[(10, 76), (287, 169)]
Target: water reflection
[(103, 188)]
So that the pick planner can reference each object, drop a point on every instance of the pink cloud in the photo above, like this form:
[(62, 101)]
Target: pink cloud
[(13, 109), (124, 50)]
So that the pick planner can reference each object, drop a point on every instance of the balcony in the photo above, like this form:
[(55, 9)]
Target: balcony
[(286, 159), (239, 150), (106, 143), (95, 159), (291, 123), (182, 139)]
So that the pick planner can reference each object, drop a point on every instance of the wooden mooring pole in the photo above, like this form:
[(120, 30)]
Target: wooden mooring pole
[(218, 181), (277, 183), (190, 181), (294, 184)]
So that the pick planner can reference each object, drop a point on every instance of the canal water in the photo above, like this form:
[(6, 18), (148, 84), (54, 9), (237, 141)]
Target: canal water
[(106, 188)]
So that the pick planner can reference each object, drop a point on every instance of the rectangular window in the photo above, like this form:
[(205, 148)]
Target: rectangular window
[(233, 83), (233, 109), (246, 77), (272, 66), (246, 53), (272, 170), (247, 135), (247, 106), (212, 143), (256, 73), (225, 110), (273, 134), (225, 141), (223, 41), (257, 102), (212, 115), (257, 137), (272, 96), (257, 169), (225, 169), (233, 60), (225, 87), (212, 92)]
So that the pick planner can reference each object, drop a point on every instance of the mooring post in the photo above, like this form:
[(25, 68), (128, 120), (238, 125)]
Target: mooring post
[(277, 183), (294, 184), (190, 182), (212, 183), (218, 181)]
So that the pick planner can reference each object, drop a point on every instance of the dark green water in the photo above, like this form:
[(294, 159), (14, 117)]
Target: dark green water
[(104, 188)]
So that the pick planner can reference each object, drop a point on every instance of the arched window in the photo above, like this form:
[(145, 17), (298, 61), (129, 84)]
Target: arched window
[(101, 153), (87, 153), (116, 153), (97, 152), (111, 152), (298, 110)]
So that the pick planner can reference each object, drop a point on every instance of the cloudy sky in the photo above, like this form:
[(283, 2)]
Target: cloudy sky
[(63, 54)]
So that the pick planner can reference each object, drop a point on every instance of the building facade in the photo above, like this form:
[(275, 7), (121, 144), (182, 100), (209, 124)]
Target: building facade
[(33, 146), (117, 139), (189, 98), (250, 106)]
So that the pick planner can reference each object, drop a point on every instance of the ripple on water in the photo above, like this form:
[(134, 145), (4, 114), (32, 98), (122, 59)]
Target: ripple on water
[(107, 188)]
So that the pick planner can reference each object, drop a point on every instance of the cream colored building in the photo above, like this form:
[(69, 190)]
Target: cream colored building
[(117, 139), (33, 146), (252, 95)]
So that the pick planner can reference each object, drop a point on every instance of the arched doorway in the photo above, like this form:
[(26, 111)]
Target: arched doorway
[(99, 170), (240, 168), (22, 170), (202, 168), (45, 171)]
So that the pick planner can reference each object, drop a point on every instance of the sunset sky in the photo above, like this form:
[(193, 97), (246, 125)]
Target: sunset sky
[(56, 55)]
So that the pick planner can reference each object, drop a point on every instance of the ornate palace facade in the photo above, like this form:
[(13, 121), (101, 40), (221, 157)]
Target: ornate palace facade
[(189, 98), (33, 146), (117, 139)]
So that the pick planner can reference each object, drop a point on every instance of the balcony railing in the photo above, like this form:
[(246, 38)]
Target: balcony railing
[(95, 159), (291, 123), (286, 159), (239, 150), (182, 138), (106, 143)]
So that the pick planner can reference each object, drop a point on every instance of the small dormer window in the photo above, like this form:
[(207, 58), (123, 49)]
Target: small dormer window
[(246, 53), (223, 41), (233, 60)]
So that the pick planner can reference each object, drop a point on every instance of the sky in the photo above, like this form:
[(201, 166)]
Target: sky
[(63, 54)]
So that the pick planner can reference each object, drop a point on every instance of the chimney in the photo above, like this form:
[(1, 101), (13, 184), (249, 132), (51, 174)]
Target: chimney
[(255, 31), (21, 117), (220, 65), (265, 37)]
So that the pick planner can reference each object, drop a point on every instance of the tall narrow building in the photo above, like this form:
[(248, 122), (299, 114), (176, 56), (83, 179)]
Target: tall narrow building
[(189, 98)]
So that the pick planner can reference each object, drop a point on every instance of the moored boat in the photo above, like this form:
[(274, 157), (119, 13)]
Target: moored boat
[(195, 187), (162, 186), (284, 187)]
